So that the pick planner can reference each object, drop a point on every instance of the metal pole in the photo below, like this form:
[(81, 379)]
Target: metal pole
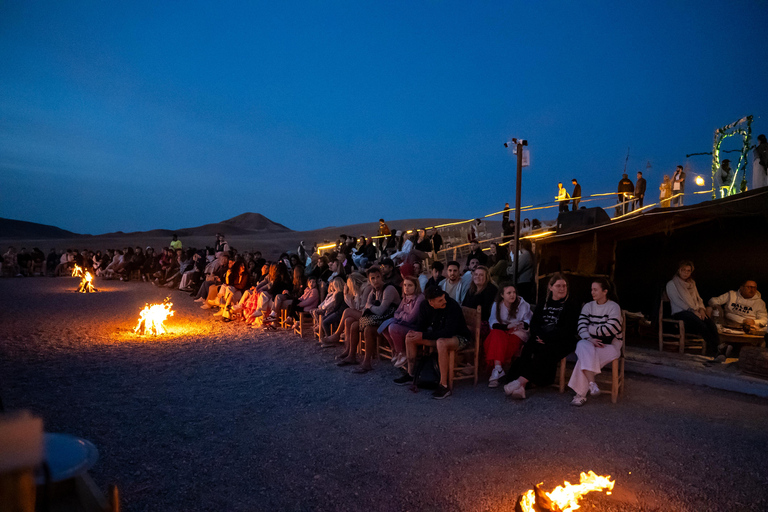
[(519, 145)]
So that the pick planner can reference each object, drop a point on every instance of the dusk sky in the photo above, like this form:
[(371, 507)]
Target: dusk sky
[(143, 115)]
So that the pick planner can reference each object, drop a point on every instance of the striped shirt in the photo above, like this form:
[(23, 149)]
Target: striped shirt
[(600, 321)]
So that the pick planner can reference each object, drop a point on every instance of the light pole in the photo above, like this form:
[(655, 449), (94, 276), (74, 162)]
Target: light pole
[(519, 143)]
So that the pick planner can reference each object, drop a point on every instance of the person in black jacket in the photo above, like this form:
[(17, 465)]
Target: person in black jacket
[(576, 195), (441, 325), (553, 336)]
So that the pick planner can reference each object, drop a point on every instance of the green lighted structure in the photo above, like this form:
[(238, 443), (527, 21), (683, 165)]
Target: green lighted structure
[(741, 127)]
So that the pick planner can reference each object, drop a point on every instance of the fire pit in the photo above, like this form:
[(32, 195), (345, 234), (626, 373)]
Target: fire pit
[(86, 285), (564, 498), (152, 317)]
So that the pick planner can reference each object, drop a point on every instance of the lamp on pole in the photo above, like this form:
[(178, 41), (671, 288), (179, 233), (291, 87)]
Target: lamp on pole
[(518, 143)]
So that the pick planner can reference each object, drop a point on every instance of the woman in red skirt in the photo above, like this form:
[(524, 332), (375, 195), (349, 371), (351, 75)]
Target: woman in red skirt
[(510, 315)]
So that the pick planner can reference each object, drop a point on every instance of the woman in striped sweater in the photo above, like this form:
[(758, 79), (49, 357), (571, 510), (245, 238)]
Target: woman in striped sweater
[(600, 332)]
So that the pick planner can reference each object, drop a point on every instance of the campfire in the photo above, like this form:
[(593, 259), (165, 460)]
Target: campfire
[(152, 317), (77, 271), (85, 283), (564, 498)]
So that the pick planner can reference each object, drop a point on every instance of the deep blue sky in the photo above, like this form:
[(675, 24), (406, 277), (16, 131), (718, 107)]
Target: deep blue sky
[(172, 114)]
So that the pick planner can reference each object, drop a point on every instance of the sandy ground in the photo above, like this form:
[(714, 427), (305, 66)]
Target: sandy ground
[(218, 417)]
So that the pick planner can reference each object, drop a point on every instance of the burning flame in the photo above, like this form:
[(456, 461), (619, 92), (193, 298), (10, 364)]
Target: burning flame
[(565, 498), (77, 271), (151, 318), (85, 283)]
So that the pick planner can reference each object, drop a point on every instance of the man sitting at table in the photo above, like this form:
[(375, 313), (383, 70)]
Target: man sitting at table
[(743, 309)]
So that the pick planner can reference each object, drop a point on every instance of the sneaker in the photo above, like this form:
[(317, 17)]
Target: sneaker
[(593, 389), (206, 306), (578, 400), (219, 312), (512, 386), (401, 362), (403, 380), (200, 300), (720, 359), (518, 392), (441, 392), (497, 373)]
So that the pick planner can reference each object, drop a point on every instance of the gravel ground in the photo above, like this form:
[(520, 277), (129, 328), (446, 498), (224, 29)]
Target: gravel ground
[(218, 417)]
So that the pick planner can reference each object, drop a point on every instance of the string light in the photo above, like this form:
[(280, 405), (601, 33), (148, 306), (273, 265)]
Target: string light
[(720, 135)]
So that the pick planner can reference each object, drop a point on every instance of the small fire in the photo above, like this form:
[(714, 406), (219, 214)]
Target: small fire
[(85, 284), (152, 317), (564, 498), (77, 271)]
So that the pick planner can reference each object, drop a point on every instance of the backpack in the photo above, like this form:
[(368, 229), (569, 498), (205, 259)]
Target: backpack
[(427, 373)]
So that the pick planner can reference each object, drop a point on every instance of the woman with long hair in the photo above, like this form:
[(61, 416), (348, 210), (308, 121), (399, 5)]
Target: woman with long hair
[(601, 339), (687, 305), (333, 306), (500, 256), (355, 294), (482, 292), (552, 337), (405, 319), (510, 319), (286, 298)]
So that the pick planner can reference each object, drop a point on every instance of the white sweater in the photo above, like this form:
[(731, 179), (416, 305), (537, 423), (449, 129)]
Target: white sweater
[(600, 320), (524, 314), (737, 308)]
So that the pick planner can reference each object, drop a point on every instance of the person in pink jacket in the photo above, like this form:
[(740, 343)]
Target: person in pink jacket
[(405, 319)]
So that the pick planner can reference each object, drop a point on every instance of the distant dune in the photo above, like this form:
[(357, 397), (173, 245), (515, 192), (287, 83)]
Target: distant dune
[(249, 231), (20, 229)]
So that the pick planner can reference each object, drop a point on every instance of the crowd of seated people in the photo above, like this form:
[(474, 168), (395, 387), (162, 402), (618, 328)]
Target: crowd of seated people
[(361, 294)]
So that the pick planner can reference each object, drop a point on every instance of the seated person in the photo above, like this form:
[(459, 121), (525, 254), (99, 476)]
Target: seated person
[(469, 270), (601, 339), (498, 270), (454, 286), (743, 309), (284, 300), (476, 252), (482, 292), (441, 325), (510, 318), (418, 273), (214, 275), (687, 305), (552, 337), (381, 305), (390, 274), (332, 307), (405, 319), (436, 271), (308, 301), (355, 295)]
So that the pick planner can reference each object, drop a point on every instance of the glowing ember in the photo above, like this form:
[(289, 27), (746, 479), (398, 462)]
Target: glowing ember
[(152, 317), (564, 498), (85, 284), (77, 272)]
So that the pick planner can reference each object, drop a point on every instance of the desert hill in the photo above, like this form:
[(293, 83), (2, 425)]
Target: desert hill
[(20, 229), (249, 231), (244, 224)]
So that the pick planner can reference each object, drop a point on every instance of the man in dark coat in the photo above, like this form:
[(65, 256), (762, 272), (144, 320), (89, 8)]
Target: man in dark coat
[(576, 196), (639, 191), (625, 191)]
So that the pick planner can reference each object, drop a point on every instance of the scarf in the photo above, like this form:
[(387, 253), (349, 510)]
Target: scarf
[(688, 292)]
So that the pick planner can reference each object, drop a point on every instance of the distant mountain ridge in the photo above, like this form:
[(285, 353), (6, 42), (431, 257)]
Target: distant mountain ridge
[(11, 229), (244, 224)]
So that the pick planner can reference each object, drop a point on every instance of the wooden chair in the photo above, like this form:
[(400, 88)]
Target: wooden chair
[(617, 366), (467, 369), (303, 326), (384, 351), (679, 339), (320, 332)]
